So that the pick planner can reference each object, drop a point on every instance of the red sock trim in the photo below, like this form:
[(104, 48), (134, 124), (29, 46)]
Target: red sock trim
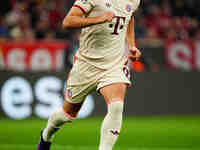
[(114, 100)]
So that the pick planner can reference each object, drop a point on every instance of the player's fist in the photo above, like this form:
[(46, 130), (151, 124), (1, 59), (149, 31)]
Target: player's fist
[(135, 53), (107, 16)]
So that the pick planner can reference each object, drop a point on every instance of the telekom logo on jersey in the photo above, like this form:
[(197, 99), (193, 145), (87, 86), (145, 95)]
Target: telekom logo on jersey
[(118, 25)]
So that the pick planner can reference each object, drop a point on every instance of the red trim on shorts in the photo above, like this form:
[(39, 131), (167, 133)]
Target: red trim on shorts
[(74, 59), (68, 115), (114, 100), (78, 6)]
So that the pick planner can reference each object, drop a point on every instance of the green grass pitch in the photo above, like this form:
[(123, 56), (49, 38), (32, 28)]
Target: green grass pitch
[(138, 133)]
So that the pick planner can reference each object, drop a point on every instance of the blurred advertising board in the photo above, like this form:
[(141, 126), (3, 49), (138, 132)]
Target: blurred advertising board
[(49, 56), (32, 55), (183, 55), (23, 95)]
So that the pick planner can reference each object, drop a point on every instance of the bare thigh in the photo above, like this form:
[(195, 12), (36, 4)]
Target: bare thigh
[(114, 92)]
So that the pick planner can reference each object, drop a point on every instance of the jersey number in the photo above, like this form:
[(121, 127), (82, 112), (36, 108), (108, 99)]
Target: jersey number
[(118, 25)]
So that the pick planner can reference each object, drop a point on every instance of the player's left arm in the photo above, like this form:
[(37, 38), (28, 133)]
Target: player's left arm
[(135, 53)]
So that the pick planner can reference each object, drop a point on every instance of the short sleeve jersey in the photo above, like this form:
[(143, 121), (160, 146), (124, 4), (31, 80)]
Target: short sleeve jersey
[(103, 45)]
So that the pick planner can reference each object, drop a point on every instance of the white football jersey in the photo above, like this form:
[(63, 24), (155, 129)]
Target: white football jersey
[(103, 45)]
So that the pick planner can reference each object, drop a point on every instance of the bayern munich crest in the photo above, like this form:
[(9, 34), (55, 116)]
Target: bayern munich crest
[(69, 93), (128, 7)]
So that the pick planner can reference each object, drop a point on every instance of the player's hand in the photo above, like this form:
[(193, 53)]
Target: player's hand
[(135, 53), (107, 16)]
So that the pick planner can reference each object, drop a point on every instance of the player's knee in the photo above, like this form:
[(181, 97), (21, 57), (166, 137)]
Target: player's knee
[(71, 109), (115, 108)]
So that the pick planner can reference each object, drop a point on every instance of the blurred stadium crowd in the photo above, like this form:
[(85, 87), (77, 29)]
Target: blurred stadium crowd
[(161, 20), (157, 21), (32, 19)]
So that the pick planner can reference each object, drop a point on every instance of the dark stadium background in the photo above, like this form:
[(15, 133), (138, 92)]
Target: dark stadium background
[(162, 108)]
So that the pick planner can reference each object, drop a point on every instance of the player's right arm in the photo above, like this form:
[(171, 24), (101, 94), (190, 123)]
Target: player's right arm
[(76, 18)]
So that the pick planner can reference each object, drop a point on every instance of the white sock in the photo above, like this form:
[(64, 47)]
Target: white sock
[(111, 125), (57, 119)]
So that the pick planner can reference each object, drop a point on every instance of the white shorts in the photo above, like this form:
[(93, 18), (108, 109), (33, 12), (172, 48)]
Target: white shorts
[(85, 78)]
